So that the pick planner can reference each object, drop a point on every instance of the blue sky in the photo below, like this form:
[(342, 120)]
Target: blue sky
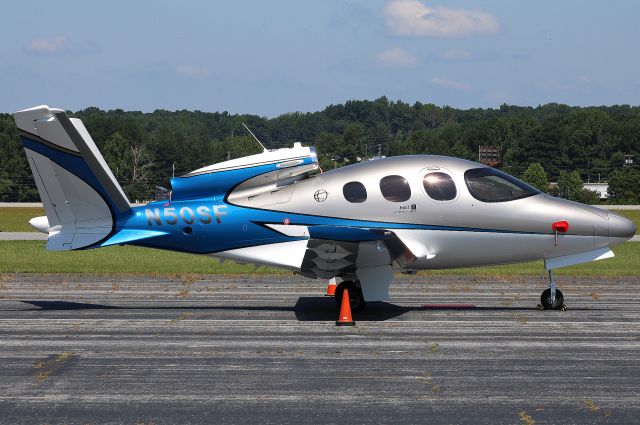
[(273, 57)]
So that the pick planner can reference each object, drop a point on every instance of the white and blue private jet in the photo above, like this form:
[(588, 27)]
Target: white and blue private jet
[(360, 223)]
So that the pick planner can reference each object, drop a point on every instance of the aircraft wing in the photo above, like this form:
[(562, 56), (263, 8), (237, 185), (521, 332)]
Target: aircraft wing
[(342, 250), (367, 255)]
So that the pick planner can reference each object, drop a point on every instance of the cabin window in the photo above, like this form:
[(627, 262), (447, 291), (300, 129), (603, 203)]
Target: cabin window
[(354, 192), (439, 186), (491, 185), (395, 188)]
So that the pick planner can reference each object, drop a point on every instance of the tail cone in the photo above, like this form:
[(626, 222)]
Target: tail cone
[(345, 318)]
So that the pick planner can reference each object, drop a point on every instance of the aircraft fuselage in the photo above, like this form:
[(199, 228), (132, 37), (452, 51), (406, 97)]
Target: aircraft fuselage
[(462, 231)]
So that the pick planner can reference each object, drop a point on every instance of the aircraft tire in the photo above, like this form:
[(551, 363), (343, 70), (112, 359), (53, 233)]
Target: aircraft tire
[(546, 301), (356, 299)]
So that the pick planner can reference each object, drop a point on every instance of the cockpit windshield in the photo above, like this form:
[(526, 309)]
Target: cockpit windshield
[(490, 185)]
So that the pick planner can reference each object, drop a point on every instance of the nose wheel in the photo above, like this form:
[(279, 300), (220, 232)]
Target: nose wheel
[(356, 299), (552, 298), (549, 303)]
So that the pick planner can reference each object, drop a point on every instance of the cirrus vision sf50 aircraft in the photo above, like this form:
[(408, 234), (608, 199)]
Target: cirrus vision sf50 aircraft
[(359, 223)]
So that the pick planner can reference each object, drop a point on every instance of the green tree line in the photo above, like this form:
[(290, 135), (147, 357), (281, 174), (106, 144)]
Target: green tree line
[(145, 149)]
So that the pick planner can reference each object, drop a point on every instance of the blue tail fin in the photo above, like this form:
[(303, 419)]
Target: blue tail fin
[(81, 196)]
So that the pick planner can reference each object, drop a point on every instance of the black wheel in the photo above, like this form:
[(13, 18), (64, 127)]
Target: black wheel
[(356, 299), (545, 300)]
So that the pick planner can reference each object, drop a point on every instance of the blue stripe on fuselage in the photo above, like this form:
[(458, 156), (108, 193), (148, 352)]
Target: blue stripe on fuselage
[(241, 227)]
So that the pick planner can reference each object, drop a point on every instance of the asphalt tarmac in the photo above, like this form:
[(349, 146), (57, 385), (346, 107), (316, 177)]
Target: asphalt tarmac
[(258, 349)]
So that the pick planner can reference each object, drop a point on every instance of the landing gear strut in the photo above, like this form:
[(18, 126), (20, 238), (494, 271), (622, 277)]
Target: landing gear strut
[(552, 298), (356, 299)]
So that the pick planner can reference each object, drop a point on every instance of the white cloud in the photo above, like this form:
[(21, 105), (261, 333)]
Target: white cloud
[(414, 19), (46, 45), (195, 72), (456, 55), (584, 79), (445, 82), (60, 46), (396, 56)]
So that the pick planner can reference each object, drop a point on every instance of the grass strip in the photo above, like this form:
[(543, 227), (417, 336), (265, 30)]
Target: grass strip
[(16, 219), (31, 257)]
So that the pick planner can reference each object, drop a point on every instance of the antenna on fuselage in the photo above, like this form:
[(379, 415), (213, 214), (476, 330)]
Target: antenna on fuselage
[(254, 136)]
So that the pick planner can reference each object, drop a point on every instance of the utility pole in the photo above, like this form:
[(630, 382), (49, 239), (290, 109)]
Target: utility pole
[(173, 170)]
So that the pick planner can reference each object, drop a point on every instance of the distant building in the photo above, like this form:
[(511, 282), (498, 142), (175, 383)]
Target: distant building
[(628, 160), (489, 155), (601, 188)]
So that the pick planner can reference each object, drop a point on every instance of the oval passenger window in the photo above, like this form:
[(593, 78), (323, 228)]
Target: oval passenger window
[(354, 192), (395, 188), (439, 186)]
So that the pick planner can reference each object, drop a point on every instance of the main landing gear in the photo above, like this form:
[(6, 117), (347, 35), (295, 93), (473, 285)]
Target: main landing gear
[(552, 298), (356, 299)]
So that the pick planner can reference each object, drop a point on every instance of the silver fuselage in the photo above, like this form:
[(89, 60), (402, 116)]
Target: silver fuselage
[(489, 232)]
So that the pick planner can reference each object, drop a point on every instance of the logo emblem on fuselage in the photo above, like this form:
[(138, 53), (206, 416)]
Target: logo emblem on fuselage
[(320, 195)]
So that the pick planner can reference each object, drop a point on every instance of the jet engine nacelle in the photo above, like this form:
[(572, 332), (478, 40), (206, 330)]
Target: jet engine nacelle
[(249, 175)]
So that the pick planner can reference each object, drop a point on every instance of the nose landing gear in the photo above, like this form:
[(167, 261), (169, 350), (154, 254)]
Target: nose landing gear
[(547, 302), (551, 298)]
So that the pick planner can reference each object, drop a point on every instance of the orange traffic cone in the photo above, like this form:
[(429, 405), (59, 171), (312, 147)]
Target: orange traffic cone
[(345, 318), (331, 288)]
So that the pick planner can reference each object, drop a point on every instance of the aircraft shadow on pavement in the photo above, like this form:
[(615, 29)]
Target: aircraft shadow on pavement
[(307, 309), (322, 309), (325, 309), (67, 305)]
